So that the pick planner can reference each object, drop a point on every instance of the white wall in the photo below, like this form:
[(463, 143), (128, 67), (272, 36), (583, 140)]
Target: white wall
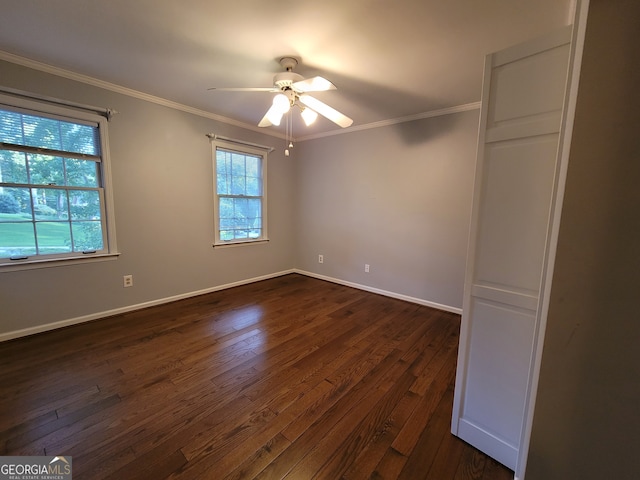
[(586, 421), (397, 198), (162, 179)]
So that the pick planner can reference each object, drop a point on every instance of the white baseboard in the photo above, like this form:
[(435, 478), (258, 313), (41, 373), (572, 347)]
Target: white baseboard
[(116, 311), (379, 291)]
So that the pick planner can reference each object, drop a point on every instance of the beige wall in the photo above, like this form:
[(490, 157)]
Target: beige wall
[(586, 422)]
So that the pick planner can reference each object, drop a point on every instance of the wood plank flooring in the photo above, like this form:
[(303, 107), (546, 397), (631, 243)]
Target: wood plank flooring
[(291, 378)]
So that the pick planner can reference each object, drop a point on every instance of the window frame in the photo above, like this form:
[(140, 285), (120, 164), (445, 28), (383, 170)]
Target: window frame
[(45, 109), (243, 149)]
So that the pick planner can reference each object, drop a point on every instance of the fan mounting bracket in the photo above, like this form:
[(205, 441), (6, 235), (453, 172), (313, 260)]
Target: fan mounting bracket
[(288, 63)]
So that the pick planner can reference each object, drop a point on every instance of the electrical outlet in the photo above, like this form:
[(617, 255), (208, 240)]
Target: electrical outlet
[(366, 268), (320, 258), (127, 281)]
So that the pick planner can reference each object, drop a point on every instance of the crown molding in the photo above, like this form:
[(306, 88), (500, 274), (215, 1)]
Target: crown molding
[(394, 121), (78, 77)]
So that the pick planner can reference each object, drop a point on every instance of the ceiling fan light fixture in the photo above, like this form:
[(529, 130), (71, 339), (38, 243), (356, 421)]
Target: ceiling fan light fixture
[(308, 115), (281, 102), (279, 107)]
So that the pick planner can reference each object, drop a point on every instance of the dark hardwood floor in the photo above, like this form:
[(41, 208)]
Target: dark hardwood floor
[(291, 377)]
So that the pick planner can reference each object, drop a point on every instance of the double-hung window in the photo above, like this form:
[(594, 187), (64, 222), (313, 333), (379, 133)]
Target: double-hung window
[(54, 204), (240, 193)]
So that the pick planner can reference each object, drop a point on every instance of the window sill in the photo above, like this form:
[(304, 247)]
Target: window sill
[(56, 262), (240, 243)]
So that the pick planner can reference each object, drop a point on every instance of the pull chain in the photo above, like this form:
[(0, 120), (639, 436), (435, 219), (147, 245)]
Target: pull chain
[(288, 133)]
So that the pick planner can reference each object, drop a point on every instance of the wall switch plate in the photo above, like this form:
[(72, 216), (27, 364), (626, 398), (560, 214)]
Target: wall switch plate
[(127, 281), (320, 258), (366, 268)]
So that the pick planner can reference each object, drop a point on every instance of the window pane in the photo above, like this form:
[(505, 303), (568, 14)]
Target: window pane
[(242, 218), (237, 185), (46, 170), (221, 160), (223, 163), (253, 167), (10, 127), (53, 237), (222, 185), (41, 132), (254, 207), (15, 205), (226, 223), (81, 173), (254, 217), (13, 167), (253, 187), (223, 172), (50, 204), (87, 236), (84, 204), (240, 205), (79, 138), (226, 207), (17, 239), (45, 132), (237, 165), (226, 235)]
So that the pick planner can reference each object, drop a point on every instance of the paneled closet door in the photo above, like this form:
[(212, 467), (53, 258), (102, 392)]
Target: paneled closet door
[(521, 118)]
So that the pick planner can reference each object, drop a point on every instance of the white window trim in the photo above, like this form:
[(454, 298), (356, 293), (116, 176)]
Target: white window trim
[(250, 149), (111, 250)]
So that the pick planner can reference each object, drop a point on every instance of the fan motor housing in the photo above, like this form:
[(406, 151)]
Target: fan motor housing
[(286, 79)]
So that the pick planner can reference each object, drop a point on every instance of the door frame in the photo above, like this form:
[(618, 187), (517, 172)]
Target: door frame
[(564, 145)]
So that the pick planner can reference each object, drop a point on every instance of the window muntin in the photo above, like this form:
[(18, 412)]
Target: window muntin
[(239, 194), (52, 184)]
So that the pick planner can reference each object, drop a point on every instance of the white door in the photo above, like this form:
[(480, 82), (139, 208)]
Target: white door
[(521, 119)]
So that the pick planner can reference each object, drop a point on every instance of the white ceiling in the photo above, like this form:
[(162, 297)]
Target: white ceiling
[(388, 58)]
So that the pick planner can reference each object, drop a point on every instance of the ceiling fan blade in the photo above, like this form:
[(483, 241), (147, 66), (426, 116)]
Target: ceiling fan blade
[(273, 116), (247, 89), (265, 122), (315, 84), (326, 111)]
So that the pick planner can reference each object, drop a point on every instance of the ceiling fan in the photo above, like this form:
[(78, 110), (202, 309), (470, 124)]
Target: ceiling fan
[(292, 91)]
